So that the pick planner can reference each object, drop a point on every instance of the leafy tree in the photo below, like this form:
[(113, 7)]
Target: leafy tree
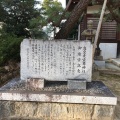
[(114, 7), (2, 13), (51, 15), (9, 46), (18, 14), (52, 11)]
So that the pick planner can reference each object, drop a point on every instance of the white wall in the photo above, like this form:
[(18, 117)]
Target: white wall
[(109, 50)]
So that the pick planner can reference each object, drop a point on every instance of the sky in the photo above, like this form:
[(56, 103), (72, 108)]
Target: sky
[(62, 1)]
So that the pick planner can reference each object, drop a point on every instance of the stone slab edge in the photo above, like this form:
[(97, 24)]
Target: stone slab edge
[(54, 97), (115, 62)]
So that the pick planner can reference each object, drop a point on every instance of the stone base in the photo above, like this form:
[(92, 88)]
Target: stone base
[(100, 64), (98, 58), (56, 102), (11, 110), (96, 93)]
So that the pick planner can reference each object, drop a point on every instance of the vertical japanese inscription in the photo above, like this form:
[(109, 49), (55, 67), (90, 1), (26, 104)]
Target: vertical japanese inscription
[(84, 60), (44, 58), (79, 59), (28, 59)]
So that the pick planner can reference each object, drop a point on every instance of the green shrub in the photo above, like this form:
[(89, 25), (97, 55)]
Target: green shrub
[(9, 48)]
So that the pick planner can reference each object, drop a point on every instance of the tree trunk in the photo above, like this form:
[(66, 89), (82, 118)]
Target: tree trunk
[(73, 18)]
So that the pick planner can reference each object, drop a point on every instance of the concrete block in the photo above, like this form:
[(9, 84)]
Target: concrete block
[(36, 83), (77, 84), (100, 63)]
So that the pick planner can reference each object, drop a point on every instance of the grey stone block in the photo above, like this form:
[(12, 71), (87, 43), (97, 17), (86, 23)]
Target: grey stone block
[(77, 84), (36, 83), (100, 64)]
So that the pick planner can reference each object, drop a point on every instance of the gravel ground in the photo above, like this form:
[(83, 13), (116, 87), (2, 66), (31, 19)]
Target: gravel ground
[(113, 83)]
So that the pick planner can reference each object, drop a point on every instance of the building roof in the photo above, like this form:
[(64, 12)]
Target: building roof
[(70, 4)]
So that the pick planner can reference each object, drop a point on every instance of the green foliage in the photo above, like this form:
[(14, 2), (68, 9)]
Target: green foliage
[(22, 14), (9, 47), (52, 11), (51, 15), (18, 13), (35, 28), (118, 27), (22, 19)]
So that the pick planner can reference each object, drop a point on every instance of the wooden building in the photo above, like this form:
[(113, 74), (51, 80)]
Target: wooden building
[(109, 32)]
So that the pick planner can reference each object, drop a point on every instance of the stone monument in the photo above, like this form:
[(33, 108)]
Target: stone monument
[(56, 84), (60, 60)]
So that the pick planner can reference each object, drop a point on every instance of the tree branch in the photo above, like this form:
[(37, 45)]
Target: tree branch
[(72, 20), (110, 8)]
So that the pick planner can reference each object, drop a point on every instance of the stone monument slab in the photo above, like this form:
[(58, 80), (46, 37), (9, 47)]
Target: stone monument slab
[(56, 60)]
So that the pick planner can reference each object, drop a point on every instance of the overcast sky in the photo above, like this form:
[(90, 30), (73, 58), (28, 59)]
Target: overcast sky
[(62, 1)]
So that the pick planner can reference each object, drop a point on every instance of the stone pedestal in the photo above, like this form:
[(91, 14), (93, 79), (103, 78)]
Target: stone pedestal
[(56, 102), (54, 111)]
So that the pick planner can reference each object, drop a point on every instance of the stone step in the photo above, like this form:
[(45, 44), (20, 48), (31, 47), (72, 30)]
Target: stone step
[(116, 61), (111, 66), (110, 72)]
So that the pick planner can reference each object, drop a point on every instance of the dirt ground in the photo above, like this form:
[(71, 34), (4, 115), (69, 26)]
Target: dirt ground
[(113, 83)]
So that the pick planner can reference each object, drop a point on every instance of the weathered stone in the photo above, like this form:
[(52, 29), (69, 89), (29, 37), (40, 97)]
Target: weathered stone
[(56, 60), (96, 93), (6, 109), (103, 112), (116, 61), (59, 111), (77, 84), (35, 83), (100, 64), (98, 58)]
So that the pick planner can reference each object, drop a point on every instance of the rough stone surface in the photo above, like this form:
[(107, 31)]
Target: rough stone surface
[(35, 83), (54, 111), (56, 60)]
